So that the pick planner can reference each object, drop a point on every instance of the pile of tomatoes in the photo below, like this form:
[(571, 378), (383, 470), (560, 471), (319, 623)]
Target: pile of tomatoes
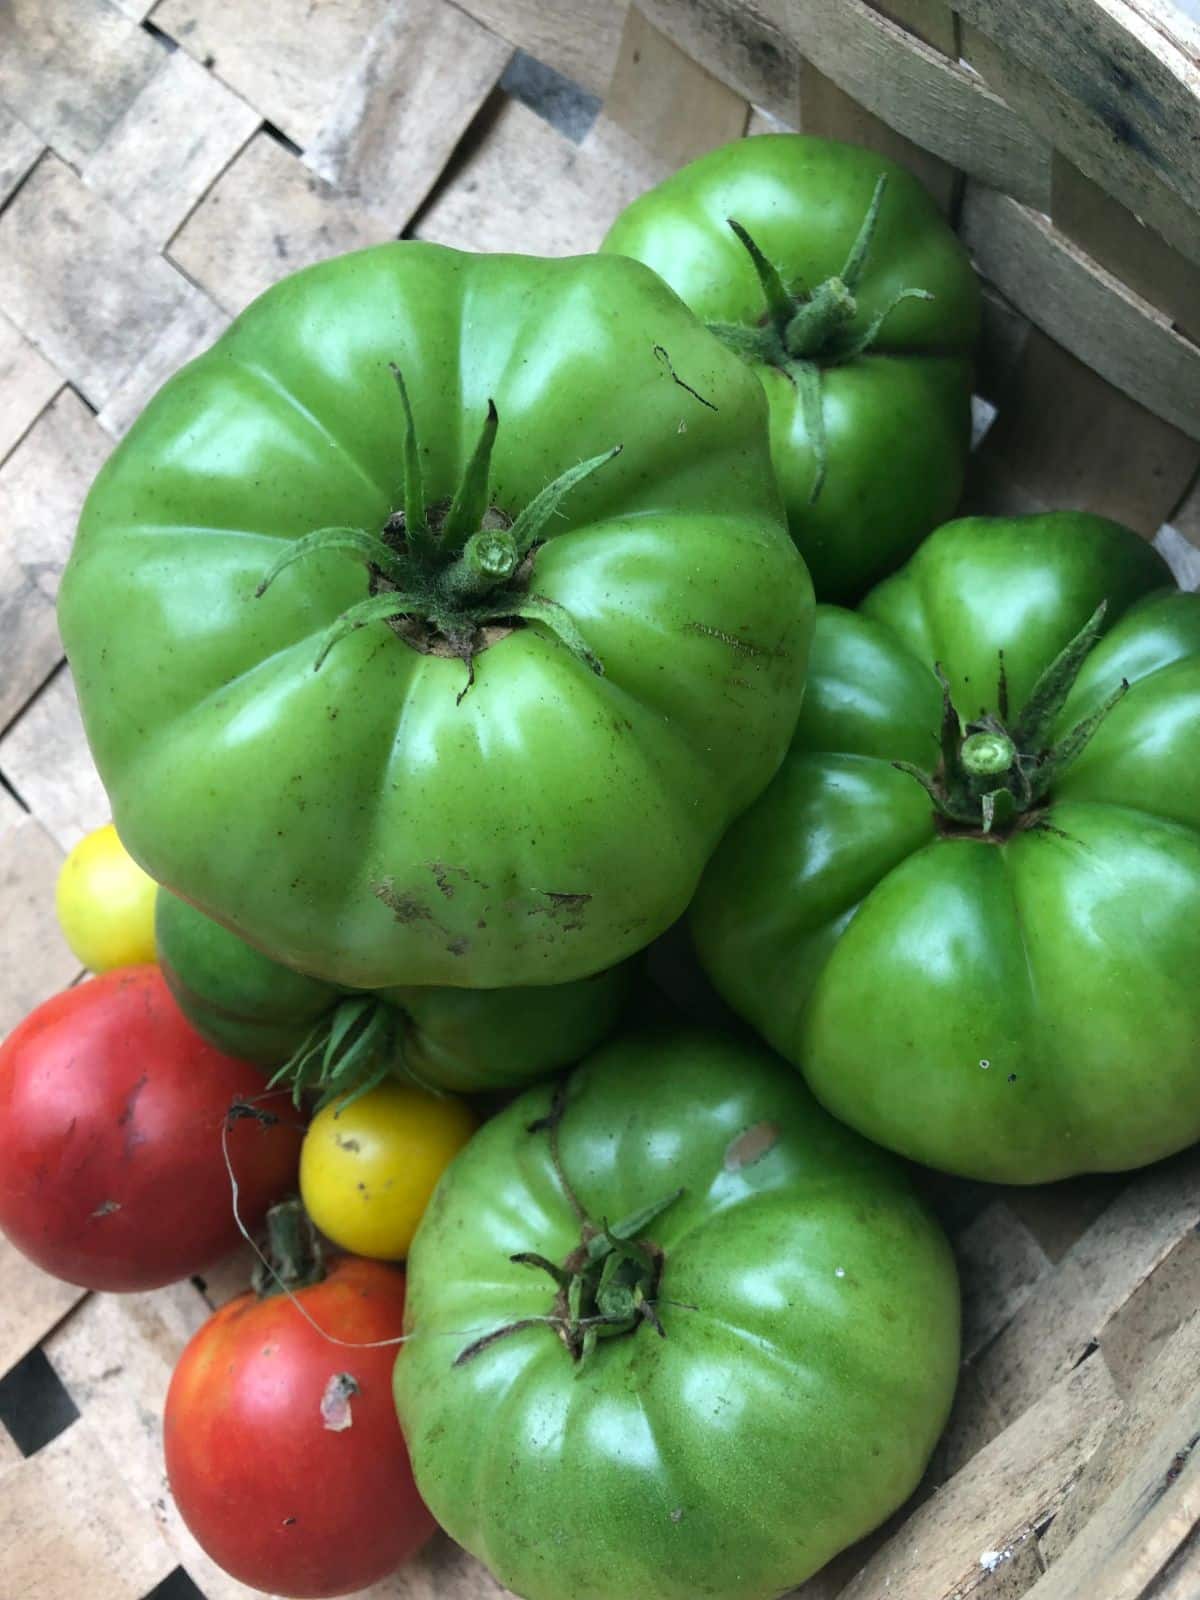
[(468, 651)]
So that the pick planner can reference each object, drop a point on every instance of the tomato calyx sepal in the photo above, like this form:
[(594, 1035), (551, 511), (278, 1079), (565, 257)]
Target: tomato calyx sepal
[(454, 567), (995, 773), (609, 1284), (805, 330), (293, 1258)]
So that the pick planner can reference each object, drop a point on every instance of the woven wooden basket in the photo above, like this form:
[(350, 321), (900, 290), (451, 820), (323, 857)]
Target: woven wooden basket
[(162, 163)]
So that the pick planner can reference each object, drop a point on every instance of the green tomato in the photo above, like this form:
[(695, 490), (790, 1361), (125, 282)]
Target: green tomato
[(855, 304), (746, 1372), (534, 657), (998, 978), (464, 1040)]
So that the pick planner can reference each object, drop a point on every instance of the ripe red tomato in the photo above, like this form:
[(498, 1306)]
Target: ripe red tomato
[(283, 1449), (111, 1169)]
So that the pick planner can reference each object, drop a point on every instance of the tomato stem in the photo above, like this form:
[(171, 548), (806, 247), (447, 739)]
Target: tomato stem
[(452, 569), (294, 1259), (991, 777)]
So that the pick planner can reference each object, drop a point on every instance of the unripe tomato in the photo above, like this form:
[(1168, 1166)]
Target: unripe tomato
[(105, 903), (368, 1167)]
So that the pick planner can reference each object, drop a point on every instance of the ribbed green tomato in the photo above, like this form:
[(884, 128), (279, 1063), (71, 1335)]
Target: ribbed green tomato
[(856, 306), (1018, 1002), (370, 822), (464, 1040), (745, 1373)]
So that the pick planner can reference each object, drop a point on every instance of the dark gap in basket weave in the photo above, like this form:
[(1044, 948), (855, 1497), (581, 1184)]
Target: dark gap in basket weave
[(555, 98), (175, 1586), (34, 1405)]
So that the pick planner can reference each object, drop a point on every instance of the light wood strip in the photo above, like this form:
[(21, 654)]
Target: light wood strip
[(420, 77), (288, 58), (579, 38), (1048, 109), (28, 383), (196, 327), (1069, 1311), (266, 217), (31, 1304), (42, 488), (982, 1522), (1084, 307), (81, 282), (45, 757), (666, 102), (173, 141), (1121, 242), (19, 149), (70, 1526), (938, 104), (70, 69), (1128, 107)]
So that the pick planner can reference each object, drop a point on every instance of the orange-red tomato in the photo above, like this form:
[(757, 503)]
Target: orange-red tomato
[(283, 1449)]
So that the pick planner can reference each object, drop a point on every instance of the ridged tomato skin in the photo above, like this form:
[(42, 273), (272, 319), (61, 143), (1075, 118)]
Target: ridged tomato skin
[(112, 1172), (294, 1483)]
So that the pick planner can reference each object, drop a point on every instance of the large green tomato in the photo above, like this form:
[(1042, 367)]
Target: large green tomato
[(999, 979), (856, 305), (674, 1332), (547, 677), (464, 1040)]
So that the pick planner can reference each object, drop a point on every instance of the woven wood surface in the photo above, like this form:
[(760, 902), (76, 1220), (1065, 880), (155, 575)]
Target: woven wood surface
[(160, 164)]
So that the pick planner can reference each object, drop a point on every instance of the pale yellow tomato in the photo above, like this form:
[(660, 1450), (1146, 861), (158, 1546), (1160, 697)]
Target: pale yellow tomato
[(105, 903), (368, 1168)]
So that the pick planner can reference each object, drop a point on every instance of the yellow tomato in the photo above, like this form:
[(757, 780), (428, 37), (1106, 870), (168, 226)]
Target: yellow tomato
[(105, 903), (367, 1169)]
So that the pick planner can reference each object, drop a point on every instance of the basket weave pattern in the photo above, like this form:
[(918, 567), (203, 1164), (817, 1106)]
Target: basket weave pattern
[(160, 164)]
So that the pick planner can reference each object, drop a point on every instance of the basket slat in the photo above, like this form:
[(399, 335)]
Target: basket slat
[(931, 100), (45, 756), (19, 149), (1066, 438), (1084, 306), (1092, 147), (1138, 256), (1168, 1388), (1129, 95), (1069, 1311), (63, 1534), (32, 1304), (42, 487), (993, 1506), (173, 140), (579, 38), (51, 50), (421, 76), (28, 382)]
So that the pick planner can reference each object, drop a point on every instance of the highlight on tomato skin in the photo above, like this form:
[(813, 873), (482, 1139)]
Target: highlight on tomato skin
[(115, 1127), (283, 1450)]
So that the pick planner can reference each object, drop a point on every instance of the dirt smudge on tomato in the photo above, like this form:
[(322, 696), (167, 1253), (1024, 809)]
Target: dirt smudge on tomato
[(404, 907)]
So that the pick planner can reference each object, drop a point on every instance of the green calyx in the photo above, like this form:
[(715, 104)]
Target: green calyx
[(996, 772), (446, 576), (608, 1286), (293, 1258), (349, 1051), (804, 331)]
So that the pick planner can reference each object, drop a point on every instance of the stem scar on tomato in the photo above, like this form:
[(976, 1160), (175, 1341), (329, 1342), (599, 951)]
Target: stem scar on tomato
[(452, 577)]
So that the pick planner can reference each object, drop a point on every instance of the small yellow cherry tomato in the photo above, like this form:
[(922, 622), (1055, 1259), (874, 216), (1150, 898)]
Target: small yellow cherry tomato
[(368, 1168), (105, 903)]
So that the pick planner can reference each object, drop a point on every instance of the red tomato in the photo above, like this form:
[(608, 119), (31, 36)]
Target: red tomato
[(111, 1169), (283, 1449)]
